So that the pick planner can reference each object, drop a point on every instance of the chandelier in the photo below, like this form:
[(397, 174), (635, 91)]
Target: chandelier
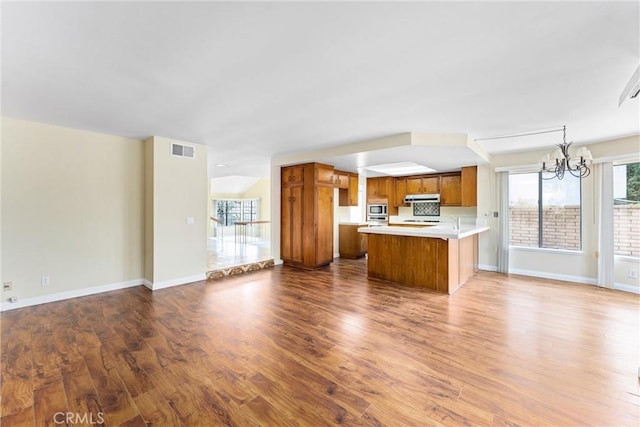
[(556, 164)]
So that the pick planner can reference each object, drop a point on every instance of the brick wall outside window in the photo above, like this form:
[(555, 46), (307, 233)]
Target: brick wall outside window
[(562, 228), (626, 230)]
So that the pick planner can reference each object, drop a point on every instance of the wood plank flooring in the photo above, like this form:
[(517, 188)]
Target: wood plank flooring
[(288, 347)]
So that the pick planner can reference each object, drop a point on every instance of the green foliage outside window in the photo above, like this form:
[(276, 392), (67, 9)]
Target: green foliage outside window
[(633, 182)]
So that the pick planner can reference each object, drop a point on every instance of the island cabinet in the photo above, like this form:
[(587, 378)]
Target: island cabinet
[(306, 229), (435, 263)]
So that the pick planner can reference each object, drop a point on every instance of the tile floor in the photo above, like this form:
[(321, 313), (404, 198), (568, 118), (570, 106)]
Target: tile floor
[(229, 252)]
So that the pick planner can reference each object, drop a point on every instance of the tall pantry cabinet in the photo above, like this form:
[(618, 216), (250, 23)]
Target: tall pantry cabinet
[(306, 229)]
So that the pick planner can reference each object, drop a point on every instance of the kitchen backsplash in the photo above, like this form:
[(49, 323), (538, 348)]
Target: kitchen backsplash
[(444, 211)]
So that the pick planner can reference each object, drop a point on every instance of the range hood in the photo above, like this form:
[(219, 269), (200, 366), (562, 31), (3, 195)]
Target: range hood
[(411, 198)]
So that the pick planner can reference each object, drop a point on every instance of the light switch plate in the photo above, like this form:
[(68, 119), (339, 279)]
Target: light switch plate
[(190, 220)]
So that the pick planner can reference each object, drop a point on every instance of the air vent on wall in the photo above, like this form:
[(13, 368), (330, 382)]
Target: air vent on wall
[(180, 150)]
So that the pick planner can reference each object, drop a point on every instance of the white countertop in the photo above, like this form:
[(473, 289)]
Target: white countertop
[(444, 231), (405, 219)]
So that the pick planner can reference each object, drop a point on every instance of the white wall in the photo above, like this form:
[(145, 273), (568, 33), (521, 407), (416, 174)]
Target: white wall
[(180, 191), (72, 209)]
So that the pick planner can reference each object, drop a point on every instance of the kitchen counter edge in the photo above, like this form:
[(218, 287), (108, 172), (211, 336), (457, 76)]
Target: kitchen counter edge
[(444, 231)]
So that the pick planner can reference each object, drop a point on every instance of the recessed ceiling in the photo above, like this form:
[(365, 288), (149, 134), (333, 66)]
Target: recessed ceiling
[(259, 79)]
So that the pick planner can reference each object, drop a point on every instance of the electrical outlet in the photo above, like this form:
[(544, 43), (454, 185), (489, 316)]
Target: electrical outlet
[(44, 281), (7, 286), (632, 273)]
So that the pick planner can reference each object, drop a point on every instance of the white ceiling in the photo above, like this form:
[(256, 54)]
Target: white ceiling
[(258, 80)]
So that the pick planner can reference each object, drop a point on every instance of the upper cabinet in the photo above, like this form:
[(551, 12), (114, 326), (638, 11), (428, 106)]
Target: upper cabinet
[(324, 174), (341, 179), (401, 191), (470, 186), (455, 188), (347, 184), (379, 189), (382, 189), (293, 175), (423, 184), (451, 194)]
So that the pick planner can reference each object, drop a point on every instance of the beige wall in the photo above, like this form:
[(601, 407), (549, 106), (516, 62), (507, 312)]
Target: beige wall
[(179, 192), (148, 211), (261, 190), (2, 297), (487, 204), (72, 209)]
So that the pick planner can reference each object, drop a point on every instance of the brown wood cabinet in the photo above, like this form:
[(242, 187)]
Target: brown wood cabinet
[(460, 189), (347, 183), (401, 191), (353, 245), (306, 230), (442, 265), (378, 189), (451, 190), (382, 189), (293, 175), (455, 188), (469, 176), (341, 179), (424, 184)]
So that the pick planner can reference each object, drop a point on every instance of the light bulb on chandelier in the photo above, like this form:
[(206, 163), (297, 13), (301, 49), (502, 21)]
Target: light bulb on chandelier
[(560, 161)]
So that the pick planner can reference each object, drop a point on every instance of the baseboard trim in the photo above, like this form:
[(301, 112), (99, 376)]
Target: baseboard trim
[(554, 276), (487, 267), (28, 302), (626, 288), (175, 282)]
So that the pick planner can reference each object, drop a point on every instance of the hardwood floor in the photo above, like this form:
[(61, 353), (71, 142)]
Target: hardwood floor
[(291, 347)]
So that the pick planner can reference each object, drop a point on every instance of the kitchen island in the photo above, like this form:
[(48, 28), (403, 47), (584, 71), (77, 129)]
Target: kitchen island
[(441, 257)]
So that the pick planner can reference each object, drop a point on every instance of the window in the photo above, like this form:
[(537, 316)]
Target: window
[(232, 211), (545, 213), (626, 210)]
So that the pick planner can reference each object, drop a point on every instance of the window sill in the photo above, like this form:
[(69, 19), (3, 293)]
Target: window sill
[(547, 250), (626, 258)]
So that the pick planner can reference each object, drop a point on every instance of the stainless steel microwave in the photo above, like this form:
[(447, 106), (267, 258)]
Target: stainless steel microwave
[(377, 210)]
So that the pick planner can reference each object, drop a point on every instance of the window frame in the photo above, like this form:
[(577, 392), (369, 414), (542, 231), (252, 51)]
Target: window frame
[(540, 207), (241, 210), (617, 257)]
